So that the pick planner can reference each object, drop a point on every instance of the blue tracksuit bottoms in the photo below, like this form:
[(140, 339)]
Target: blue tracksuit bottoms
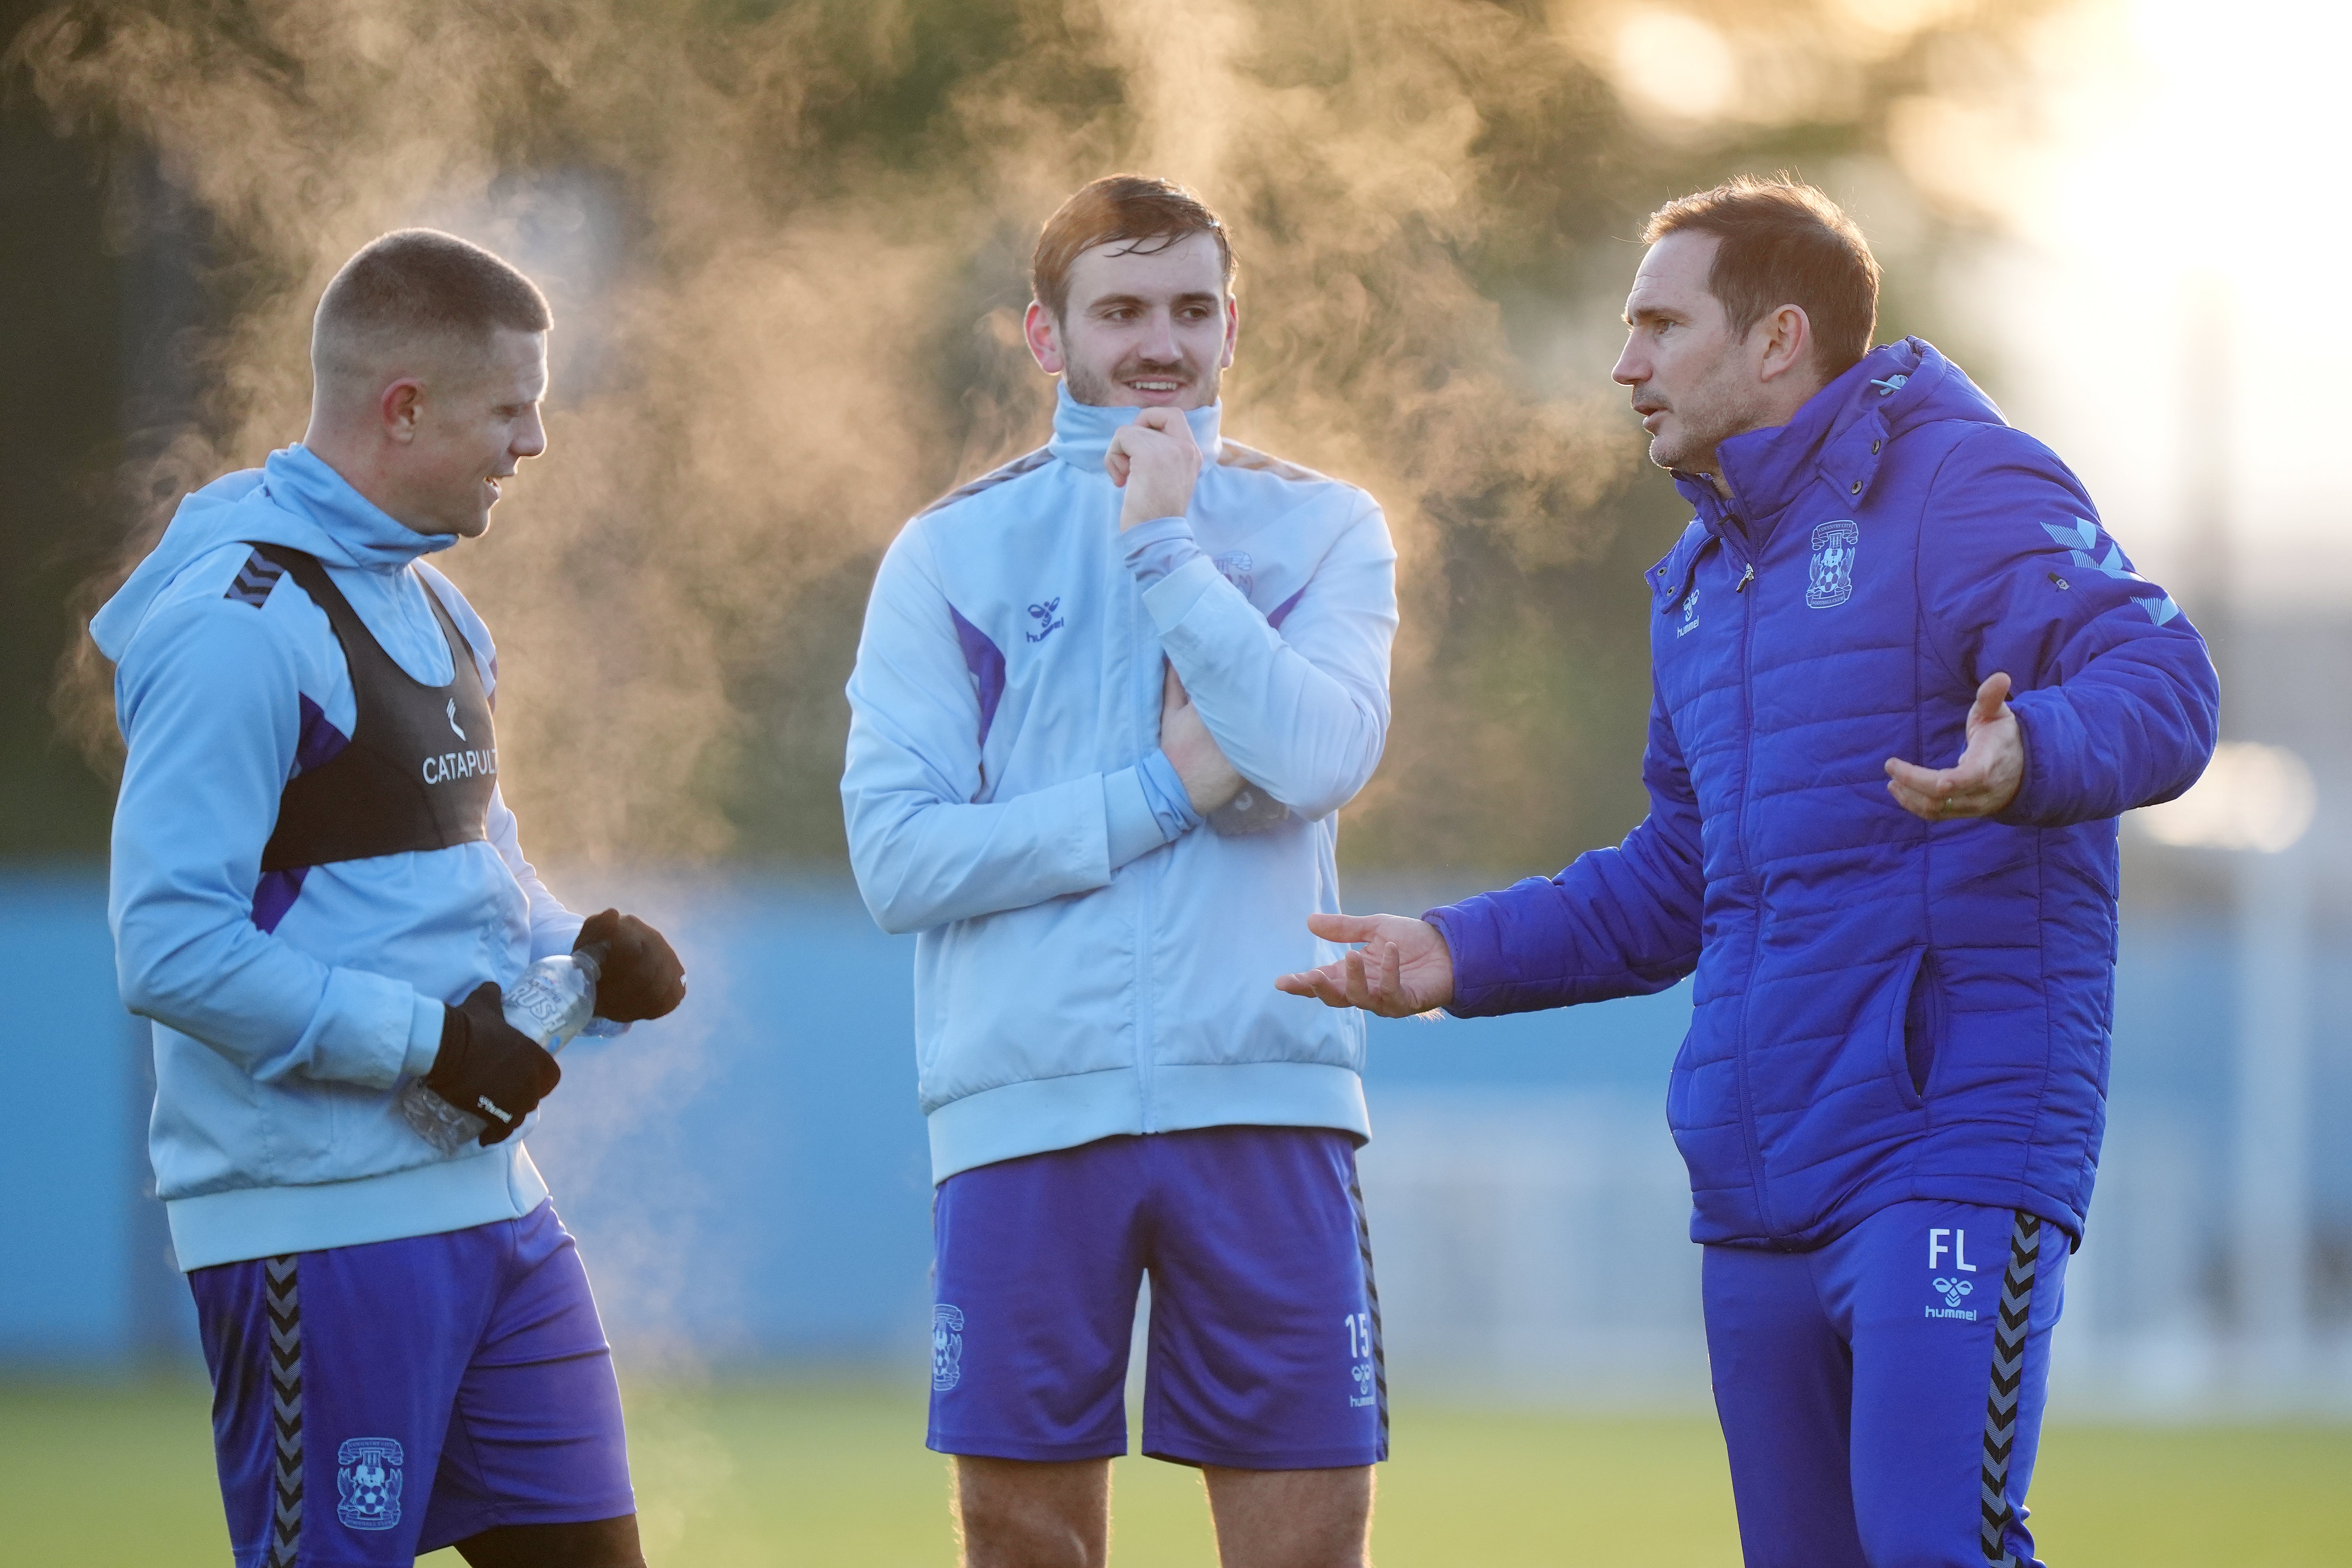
[(1881, 1396)]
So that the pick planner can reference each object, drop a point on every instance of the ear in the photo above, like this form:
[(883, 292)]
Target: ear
[(1044, 335), (1788, 341), (401, 407), (1232, 330)]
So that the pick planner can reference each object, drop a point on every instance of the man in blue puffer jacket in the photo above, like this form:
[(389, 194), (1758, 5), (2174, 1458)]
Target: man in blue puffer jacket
[(1892, 1093)]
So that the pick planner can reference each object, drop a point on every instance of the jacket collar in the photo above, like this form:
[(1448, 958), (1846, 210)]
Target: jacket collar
[(1082, 432), (1838, 436), (300, 481)]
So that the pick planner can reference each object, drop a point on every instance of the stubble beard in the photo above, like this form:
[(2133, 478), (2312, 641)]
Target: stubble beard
[(1102, 392)]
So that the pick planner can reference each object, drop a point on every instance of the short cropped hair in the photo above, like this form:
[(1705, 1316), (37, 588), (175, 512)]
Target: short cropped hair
[(1784, 242), (416, 283), (1150, 215)]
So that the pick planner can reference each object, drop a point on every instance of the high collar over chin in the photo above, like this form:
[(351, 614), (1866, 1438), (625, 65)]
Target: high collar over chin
[(369, 536), (1082, 431)]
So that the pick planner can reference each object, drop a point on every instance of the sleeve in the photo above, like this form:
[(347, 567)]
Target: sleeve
[(1299, 707), (2112, 686), (553, 928), (211, 715), (1618, 922), (925, 849)]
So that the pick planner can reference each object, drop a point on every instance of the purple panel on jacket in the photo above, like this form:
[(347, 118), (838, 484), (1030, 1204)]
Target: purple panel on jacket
[(320, 744), (986, 662)]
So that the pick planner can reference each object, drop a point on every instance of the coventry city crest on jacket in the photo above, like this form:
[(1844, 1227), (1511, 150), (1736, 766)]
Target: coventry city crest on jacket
[(1830, 582)]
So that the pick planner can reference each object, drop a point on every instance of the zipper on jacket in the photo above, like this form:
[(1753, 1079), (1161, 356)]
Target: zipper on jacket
[(1147, 870), (1747, 873)]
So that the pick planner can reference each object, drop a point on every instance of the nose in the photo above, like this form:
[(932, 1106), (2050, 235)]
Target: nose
[(1159, 343), (531, 439), (1630, 370)]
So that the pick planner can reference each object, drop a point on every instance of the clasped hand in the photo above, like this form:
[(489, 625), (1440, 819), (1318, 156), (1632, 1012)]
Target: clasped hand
[(1156, 461)]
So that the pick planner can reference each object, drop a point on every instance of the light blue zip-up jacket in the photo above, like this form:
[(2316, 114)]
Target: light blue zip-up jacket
[(1094, 960), (288, 1006)]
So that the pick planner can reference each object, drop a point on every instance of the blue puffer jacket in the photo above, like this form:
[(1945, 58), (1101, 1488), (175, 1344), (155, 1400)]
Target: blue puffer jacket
[(1884, 1010)]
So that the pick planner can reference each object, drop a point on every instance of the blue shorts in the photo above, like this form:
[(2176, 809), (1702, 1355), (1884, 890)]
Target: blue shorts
[(1266, 1329), (1882, 1396), (374, 1403)]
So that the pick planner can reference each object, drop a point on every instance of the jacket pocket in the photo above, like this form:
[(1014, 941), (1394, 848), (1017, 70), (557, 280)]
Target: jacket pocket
[(1917, 1029)]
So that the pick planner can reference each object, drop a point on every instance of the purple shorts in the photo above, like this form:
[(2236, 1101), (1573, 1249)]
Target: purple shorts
[(374, 1403), (1265, 1337)]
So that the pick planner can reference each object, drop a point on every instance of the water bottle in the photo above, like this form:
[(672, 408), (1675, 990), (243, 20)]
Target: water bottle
[(553, 1000)]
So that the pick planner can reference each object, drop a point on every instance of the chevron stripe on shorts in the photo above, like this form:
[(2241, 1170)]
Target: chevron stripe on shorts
[(2009, 1336), (283, 1301), (1372, 1302)]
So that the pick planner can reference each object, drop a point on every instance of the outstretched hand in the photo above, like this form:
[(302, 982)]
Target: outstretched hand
[(1986, 778), (1404, 967)]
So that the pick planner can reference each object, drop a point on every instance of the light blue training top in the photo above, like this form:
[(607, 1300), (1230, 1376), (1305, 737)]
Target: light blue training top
[(1093, 960), (288, 1006)]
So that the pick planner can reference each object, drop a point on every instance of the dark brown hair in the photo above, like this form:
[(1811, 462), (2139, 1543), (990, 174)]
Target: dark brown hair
[(1784, 242), (1150, 215), (419, 282)]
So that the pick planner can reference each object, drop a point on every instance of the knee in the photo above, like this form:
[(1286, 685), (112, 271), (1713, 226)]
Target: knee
[(1032, 1516)]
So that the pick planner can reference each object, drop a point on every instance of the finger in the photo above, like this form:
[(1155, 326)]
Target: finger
[(1393, 975), (1344, 928), (1360, 986), (1990, 696), (1918, 805), (1156, 419), (1911, 776)]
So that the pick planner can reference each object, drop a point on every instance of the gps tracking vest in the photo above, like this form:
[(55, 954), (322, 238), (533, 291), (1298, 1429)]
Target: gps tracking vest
[(422, 761)]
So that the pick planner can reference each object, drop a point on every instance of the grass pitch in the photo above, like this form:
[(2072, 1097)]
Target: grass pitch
[(837, 1477)]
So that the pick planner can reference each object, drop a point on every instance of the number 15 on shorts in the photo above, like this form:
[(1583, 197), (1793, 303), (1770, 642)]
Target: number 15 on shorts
[(1360, 1353)]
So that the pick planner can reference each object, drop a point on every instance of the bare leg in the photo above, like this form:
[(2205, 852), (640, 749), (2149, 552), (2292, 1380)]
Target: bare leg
[(599, 1543), (1012, 1513), (1291, 1518)]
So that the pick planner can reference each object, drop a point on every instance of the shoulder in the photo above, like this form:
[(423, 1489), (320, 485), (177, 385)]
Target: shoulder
[(958, 500), (1241, 461)]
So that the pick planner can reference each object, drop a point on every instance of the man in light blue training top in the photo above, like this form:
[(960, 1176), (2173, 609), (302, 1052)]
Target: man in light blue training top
[(317, 895), (1905, 681), (1108, 701)]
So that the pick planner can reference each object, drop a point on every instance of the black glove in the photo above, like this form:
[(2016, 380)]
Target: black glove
[(488, 1067), (642, 977)]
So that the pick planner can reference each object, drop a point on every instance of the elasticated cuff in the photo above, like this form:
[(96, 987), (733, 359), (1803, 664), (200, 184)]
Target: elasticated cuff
[(424, 1037), (1156, 548), (1129, 829)]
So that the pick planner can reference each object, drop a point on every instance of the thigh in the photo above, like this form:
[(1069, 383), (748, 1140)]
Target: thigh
[(1037, 1266), (1953, 1308), (1783, 1383), (1265, 1337), (536, 1435), (334, 1376)]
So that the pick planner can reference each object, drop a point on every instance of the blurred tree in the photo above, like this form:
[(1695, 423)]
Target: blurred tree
[(786, 243)]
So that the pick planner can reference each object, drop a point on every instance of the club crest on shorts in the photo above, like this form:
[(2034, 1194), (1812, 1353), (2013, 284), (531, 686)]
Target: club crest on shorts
[(367, 1475), (947, 1347), (1831, 581)]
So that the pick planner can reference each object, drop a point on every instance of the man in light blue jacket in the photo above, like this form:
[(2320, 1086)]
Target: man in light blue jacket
[(1109, 700), (316, 893)]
